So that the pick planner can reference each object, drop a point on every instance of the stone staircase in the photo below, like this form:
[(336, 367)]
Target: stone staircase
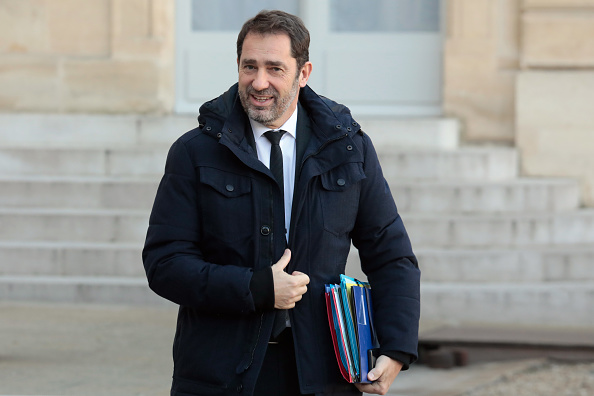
[(493, 248)]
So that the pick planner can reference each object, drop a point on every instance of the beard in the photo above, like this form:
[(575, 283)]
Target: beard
[(267, 115)]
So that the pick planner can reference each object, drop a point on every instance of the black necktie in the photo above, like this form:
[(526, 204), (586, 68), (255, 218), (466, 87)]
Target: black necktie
[(276, 167), (276, 157)]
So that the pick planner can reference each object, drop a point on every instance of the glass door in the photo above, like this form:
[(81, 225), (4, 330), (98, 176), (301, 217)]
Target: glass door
[(379, 57)]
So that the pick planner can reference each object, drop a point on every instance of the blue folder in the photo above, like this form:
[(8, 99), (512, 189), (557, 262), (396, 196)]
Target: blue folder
[(351, 325), (367, 340)]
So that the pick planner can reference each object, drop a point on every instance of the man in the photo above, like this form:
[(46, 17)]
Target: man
[(256, 212)]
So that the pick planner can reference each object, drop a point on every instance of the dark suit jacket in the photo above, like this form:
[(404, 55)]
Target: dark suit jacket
[(218, 224)]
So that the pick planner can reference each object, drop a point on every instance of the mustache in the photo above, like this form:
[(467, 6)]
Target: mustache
[(265, 92)]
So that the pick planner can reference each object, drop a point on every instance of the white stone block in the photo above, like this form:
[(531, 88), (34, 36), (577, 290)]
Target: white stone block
[(500, 230), (67, 131), (567, 304), (56, 192), (437, 133), (484, 164), (556, 137), (70, 259), (136, 162), (28, 161), (160, 131), (73, 225), (523, 195), (105, 290), (571, 264), (480, 265)]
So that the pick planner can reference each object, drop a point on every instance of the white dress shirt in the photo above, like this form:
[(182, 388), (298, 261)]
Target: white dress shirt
[(288, 147)]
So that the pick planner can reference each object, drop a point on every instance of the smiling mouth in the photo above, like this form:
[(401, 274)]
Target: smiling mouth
[(262, 99)]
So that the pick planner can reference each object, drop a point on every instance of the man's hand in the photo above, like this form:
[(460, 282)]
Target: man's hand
[(288, 288), (385, 371)]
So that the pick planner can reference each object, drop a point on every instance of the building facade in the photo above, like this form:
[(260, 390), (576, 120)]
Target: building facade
[(514, 72)]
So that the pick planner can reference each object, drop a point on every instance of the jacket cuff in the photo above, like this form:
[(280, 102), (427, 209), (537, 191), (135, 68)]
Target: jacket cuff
[(402, 357), (262, 289)]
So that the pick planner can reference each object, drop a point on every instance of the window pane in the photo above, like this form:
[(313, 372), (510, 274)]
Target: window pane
[(220, 15), (385, 15)]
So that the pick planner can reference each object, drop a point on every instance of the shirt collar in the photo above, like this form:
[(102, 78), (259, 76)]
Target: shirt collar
[(290, 126)]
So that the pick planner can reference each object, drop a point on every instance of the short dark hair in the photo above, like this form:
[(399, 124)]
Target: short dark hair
[(274, 22)]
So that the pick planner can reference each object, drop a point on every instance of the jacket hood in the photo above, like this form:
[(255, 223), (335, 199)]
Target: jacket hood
[(329, 113)]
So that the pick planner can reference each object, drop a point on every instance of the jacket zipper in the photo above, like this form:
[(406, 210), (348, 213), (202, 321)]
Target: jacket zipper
[(256, 343)]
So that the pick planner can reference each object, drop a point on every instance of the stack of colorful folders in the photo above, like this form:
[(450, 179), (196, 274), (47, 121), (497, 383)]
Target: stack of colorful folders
[(351, 326)]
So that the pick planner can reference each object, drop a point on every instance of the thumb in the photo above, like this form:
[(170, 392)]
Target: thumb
[(374, 374), (304, 277), (282, 263), (379, 369)]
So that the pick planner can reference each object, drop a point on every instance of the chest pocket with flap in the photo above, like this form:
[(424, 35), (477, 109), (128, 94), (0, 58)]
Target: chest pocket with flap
[(339, 197)]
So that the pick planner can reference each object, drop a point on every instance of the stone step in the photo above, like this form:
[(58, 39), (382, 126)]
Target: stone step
[(544, 303), (520, 195), (559, 263), (537, 264), (62, 289), (426, 230), (25, 258), (393, 133), (480, 164), (26, 130), (443, 197), (500, 230), (531, 264), (73, 225), (91, 131), (83, 162), (549, 303), (78, 192), (466, 163)]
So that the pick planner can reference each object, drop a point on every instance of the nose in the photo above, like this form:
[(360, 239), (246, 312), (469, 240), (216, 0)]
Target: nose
[(261, 81)]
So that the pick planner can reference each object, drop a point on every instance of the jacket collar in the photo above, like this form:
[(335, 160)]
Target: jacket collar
[(224, 119), (225, 115)]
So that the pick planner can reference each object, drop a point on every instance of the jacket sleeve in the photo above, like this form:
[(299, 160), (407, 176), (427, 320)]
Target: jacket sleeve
[(388, 261), (173, 261)]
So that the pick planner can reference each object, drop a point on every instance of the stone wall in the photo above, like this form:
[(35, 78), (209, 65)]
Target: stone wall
[(522, 72), (515, 71), (481, 58), (106, 56), (555, 91)]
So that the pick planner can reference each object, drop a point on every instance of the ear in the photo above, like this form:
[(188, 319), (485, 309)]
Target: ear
[(304, 74)]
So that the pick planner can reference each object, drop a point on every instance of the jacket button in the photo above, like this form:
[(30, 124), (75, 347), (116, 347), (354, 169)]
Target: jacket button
[(219, 135), (340, 182), (350, 148), (338, 126), (229, 187), (265, 230), (239, 388)]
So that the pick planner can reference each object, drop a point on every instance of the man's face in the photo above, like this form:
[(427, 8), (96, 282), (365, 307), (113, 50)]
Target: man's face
[(268, 78)]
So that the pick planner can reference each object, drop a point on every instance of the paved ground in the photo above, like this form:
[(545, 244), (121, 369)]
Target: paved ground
[(49, 349), (85, 350)]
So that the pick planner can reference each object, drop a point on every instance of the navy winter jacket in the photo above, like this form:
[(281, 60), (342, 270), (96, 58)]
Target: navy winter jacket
[(218, 222)]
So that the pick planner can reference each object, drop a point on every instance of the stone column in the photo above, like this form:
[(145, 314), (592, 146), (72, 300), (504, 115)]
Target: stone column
[(480, 64), (555, 91)]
